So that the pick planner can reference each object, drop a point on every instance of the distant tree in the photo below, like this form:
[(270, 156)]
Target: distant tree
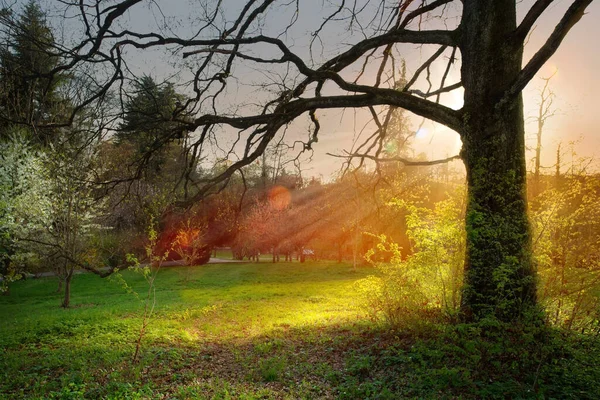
[(148, 118), (546, 111), (29, 94)]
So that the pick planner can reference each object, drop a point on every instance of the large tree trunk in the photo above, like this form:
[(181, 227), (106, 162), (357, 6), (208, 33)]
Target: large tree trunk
[(499, 271)]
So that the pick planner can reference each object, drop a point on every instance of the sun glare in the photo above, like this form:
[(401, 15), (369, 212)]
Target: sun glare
[(279, 197), (422, 133)]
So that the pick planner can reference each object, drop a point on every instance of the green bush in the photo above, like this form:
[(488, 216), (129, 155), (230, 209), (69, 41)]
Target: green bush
[(428, 280)]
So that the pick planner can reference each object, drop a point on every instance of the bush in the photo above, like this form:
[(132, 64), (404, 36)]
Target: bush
[(427, 281), (566, 238)]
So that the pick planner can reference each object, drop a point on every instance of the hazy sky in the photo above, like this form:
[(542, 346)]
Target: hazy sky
[(576, 84)]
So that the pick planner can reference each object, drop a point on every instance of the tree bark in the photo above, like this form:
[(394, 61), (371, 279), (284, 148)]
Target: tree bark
[(499, 270), (67, 298)]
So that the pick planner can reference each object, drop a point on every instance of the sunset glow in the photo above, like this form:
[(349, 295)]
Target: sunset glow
[(279, 197)]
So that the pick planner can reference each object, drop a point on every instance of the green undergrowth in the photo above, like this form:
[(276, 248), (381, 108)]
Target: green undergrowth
[(483, 361), (268, 331)]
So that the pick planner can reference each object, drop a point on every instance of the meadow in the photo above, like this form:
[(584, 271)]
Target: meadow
[(266, 331)]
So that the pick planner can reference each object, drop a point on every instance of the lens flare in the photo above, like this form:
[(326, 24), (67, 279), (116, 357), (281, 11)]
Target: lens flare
[(279, 197)]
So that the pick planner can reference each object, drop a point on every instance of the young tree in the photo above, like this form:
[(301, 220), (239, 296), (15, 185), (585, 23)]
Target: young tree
[(488, 39), (74, 214)]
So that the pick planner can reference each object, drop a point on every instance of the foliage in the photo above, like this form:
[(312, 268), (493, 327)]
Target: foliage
[(25, 206), (427, 279), (191, 244), (567, 243), (490, 360)]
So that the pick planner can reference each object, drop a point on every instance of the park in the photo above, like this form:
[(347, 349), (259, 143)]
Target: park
[(264, 199)]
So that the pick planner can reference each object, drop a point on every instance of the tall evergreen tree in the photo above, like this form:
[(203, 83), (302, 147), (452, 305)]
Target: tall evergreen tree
[(28, 94), (149, 120)]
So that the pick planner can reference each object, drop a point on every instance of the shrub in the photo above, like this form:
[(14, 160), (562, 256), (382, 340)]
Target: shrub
[(429, 278), (566, 239)]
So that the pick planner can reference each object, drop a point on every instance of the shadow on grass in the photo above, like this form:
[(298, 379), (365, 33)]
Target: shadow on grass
[(269, 331), (349, 361)]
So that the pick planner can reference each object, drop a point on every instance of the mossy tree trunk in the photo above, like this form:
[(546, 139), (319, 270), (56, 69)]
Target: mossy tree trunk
[(499, 271)]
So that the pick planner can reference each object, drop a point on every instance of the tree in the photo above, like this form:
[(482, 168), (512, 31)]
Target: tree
[(545, 111), (148, 116), (74, 214), (29, 95), (24, 205), (488, 40)]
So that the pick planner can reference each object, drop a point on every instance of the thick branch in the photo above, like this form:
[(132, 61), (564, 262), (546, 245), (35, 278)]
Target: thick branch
[(442, 37), (534, 13), (372, 97), (571, 17)]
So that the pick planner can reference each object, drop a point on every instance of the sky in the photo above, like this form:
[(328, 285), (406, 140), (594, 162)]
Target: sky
[(575, 83)]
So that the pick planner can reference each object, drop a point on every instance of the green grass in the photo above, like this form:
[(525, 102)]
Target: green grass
[(267, 331), (224, 254), (198, 310)]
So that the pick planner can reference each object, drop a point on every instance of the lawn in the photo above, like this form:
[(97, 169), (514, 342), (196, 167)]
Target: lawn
[(265, 331), (209, 322)]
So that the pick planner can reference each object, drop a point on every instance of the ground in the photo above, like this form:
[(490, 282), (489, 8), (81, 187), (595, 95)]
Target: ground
[(266, 331)]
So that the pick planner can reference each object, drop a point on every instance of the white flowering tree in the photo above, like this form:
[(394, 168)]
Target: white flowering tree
[(68, 239), (24, 206), (48, 213)]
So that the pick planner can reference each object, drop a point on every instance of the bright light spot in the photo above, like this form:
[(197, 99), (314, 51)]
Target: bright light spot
[(422, 133), (458, 99), (457, 145), (279, 197), (549, 71)]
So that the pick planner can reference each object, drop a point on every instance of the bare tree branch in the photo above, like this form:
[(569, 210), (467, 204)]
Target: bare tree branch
[(571, 17), (532, 16), (422, 10), (402, 160)]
